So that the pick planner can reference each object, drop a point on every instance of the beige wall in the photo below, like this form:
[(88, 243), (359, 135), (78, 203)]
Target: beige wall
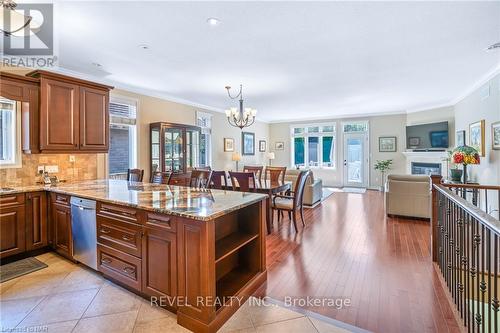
[(152, 109)]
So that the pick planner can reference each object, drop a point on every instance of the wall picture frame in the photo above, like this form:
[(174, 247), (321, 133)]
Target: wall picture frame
[(279, 145), (228, 144), (476, 136), (387, 144), (262, 146), (248, 143), (460, 138), (495, 135)]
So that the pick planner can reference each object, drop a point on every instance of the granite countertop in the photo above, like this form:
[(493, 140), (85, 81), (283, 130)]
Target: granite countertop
[(198, 204)]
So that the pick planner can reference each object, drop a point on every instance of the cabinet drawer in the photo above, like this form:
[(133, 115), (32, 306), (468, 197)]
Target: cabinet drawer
[(61, 199), (10, 200), (119, 266), (122, 236), (120, 213), (160, 221)]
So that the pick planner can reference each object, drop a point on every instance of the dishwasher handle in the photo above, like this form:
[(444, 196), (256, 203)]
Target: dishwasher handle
[(83, 204)]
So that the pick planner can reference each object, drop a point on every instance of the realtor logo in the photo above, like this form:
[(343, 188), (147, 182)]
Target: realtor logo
[(35, 38)]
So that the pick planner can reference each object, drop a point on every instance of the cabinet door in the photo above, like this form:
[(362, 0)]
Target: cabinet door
[(63, 240), (94, 119), (59, 116), (159, 258), (36, 220), (12, 231)]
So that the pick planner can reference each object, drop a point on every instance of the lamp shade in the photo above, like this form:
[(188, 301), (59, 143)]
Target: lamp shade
[(271, 156), (15, 22), (236, 157)]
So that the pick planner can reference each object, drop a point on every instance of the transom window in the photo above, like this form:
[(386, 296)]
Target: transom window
[(313, 145)]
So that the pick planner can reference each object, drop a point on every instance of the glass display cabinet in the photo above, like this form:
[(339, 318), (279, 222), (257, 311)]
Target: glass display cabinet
[(174, 147)]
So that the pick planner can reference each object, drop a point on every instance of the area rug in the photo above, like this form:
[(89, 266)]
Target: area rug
[(353, 190), (20, 268)]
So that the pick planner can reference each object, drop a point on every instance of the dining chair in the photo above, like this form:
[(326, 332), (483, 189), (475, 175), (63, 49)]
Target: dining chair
[(180, 179), (200, 178), (242, 181), (218, 180), (256, 169), (160, 177), (135, 175), (208, 168), (292, 203), (275, 173)]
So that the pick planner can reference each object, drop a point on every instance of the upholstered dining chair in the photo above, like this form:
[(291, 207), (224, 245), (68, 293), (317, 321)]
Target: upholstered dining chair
[(292, 203), (242, 181), (275, 174), (218, 180), (200, 178), (160, 177), (135, 175), (256, 169)]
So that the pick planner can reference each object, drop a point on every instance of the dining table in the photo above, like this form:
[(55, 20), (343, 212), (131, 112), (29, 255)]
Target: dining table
[(266, 187)]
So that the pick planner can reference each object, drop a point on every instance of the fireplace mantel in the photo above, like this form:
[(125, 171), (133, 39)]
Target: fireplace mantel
[(426, 157), (426, 154)]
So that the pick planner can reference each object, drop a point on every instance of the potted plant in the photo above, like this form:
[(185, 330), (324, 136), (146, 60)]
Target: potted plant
[(383, 166), (455, 172), (465, 155)]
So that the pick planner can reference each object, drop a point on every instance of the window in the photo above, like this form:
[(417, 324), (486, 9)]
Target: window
[(204, 120), (122, 137), (314, 145), (10, 131), (355, 127)]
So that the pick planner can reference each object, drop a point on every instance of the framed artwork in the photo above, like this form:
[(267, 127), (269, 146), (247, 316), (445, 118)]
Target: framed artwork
[(280, 145), (495, 135), (248, 143), (387, 144), (476, 136), (262, 146), (414, 142), (228, 144), (460, 139)]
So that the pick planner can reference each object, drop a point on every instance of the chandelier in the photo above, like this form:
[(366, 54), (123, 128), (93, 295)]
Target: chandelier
[(243, 117), (11, 21)]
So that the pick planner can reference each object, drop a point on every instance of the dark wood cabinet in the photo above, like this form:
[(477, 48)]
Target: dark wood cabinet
[(94, 119), (174, 147), (61, 220), (36, 220), (159, 256), (12, 226)]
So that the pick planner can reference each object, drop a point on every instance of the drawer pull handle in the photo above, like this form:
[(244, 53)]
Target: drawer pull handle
[(106, 261), (105, 231), (129, 270), (126, 238)]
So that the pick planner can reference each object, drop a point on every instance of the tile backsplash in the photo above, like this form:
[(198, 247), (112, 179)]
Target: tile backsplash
[(83, 168)]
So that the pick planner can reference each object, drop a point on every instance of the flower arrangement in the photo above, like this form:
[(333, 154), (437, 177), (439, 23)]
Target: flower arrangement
[(465, 155)]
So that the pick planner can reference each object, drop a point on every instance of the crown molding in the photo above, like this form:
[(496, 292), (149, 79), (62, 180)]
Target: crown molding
[(485, 78), (338, 117)]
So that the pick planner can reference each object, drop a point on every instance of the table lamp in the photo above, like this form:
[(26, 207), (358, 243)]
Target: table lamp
[(236, 158), (271, 156)]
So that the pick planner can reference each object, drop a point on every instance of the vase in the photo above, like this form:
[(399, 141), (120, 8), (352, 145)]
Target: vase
[(456, 175), (465, 174)]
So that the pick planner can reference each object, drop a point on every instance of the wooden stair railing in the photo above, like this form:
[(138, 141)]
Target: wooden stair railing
[(466, 251)]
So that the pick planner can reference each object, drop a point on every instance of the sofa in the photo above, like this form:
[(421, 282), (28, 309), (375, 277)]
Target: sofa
[(408, 195), (314, 187)]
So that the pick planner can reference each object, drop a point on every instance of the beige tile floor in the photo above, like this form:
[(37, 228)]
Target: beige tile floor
[(65, 297)]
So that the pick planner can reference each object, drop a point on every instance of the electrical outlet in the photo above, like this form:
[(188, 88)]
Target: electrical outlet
[(40, 169), (52, 168), (72, 158)]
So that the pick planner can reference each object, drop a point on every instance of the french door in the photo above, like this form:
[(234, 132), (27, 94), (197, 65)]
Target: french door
[(355, 160)]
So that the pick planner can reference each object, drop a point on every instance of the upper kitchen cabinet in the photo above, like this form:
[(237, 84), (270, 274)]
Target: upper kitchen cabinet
[(74, 114)]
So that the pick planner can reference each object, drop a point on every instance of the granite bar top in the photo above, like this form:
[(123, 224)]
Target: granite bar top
[(198, 204)]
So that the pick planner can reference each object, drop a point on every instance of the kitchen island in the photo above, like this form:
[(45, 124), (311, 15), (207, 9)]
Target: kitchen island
[(197, 252)]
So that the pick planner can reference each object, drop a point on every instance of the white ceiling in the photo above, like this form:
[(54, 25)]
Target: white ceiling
[(296, 60)]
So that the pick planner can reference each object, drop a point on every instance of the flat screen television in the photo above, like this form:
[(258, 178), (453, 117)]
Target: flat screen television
[(427, 136)]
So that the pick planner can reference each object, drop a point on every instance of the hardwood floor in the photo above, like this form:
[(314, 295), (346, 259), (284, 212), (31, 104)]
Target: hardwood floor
[(349, 249)]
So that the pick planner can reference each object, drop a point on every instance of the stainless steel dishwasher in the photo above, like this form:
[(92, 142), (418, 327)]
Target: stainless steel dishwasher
[(83, 229)]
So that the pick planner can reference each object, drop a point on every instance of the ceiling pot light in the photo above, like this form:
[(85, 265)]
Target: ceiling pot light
[(144, 46), (96, 64), (492, 47), (12, 21), (212, 21)]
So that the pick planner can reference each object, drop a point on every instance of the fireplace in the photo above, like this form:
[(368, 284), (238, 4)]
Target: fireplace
[(420, 168)]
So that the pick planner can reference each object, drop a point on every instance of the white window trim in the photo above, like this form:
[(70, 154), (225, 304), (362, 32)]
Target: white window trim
[(18, 163), (320, 135), (208, 130)]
